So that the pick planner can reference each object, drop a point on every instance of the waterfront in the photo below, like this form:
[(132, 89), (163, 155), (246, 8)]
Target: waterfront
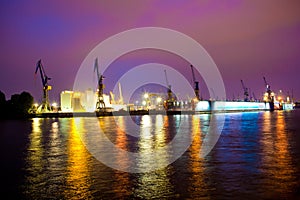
[(257, 157)]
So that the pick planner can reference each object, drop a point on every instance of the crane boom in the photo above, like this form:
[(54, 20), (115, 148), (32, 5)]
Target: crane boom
[(168, 85), (45, 106), (265, 81), (44, 77), (96, 69), (193, 74), (267, 85), (196, 84)]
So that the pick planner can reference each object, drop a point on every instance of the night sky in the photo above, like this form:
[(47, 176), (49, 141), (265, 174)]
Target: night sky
[(246, 39)]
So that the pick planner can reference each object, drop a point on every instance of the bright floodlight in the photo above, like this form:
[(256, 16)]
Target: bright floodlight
[(144, 103), (158, 99)]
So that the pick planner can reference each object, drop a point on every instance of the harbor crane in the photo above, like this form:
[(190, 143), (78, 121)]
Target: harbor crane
[(269, 95), (246, 93), (170, 99), (45, 106), (100, 105), (196, 84)]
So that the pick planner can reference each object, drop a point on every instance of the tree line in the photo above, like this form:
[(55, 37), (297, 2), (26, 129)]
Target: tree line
[(17, 106)]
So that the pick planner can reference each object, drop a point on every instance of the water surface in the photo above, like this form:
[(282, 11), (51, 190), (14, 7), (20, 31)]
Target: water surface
[(256, 157)]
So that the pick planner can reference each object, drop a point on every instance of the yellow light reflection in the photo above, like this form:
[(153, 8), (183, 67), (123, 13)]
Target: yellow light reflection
[(160, 136), (277, 162), (146, 142), (36, 149), (121, 185), (78, 182), (198, 185), (153, 184)]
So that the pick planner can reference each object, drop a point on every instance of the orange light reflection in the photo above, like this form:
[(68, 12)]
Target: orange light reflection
[(198, 185), (78, 182), (276, 161), (121, 186)]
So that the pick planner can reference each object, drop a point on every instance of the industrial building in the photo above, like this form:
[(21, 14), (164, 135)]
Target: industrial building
[(71, 101)]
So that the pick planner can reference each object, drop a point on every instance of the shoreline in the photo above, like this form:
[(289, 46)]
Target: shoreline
[(133, 113)]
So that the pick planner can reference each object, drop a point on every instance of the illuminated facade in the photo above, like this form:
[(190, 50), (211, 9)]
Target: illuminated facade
[(230, 105), (71, 101)]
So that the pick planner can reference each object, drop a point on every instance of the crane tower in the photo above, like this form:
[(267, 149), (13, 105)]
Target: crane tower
[(100, 105), (246, 92), (170, 100), (45, 106), (269, 94), (196, 84)]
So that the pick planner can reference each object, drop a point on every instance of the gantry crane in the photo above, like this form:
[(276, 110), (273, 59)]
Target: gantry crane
[(170, 100), (246, 93), (100, 105), (45, 106), (196, 84)]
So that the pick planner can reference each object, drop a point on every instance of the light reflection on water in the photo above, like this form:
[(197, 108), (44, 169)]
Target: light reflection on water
[(276, 158), (77, 173), (35, 159), (252, 159), (121, 185), (198, 185), (153, 135)]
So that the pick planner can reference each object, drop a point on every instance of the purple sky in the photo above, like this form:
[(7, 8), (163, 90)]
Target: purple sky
[(246, 39)]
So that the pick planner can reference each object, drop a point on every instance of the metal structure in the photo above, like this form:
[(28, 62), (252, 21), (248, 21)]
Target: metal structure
[(269, 95), (246, 92), (100, 105), (170, 100), (121, 100), (254, 96), (196, 84), (45, 106), (268, 91), (112, 97)]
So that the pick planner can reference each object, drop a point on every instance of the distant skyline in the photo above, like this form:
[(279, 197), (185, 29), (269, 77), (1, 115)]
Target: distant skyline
[(246, 39)]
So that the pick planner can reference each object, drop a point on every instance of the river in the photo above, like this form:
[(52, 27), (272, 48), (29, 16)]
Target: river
[(257, 156)]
